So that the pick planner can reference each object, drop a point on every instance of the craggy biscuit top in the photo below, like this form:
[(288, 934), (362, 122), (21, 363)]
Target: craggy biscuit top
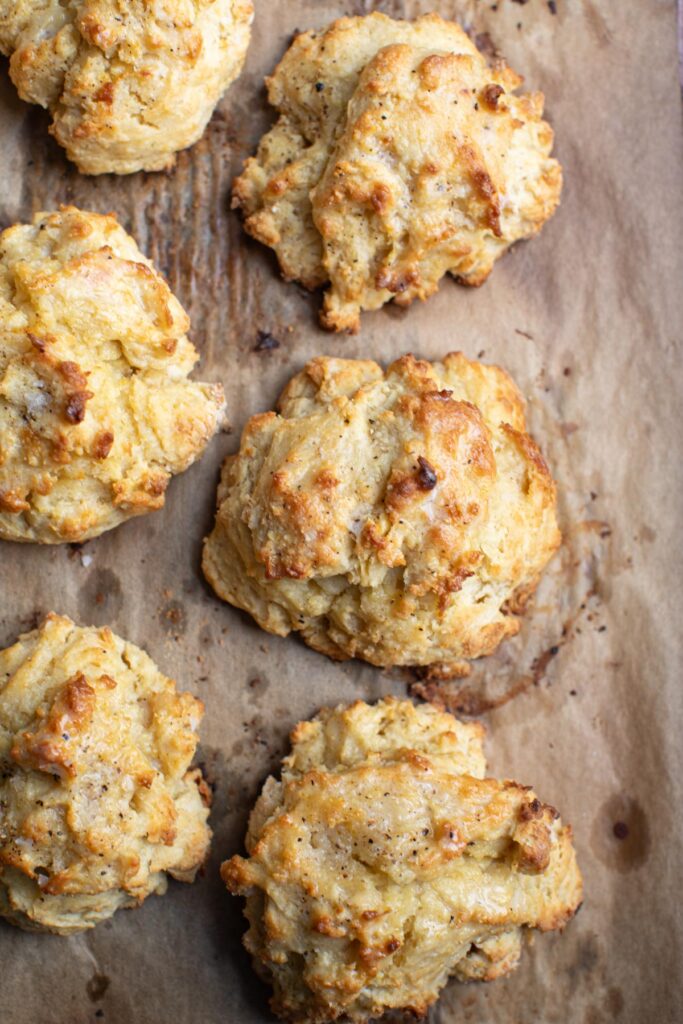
[(383, 863), (128, 82), (96, 411), (399, 155), (400, 517), (97, 798)]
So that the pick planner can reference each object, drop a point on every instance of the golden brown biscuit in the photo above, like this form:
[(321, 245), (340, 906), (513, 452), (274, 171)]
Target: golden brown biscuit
[(96, 411), (97, 800), (128, 82), (384, 863), (400, 517), (399, 156)]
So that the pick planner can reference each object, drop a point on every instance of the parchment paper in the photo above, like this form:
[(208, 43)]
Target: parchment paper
[(586, 703)]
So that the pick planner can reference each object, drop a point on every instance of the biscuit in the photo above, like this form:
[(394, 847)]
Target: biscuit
[(384, 862), (130, 83), (402, 517), (96, 411), (399, 156), (98, 803)]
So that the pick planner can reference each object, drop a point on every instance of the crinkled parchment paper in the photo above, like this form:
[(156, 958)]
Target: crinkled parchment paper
[(586, 702)]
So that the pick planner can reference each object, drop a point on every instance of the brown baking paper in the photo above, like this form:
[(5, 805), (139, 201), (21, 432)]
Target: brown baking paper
[(586, 703)]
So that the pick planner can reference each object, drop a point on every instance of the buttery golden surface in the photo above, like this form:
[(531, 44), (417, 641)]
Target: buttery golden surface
[(399, 155), (128, 82), (96, 411), (384, 863), (399, 516), (97, 798)]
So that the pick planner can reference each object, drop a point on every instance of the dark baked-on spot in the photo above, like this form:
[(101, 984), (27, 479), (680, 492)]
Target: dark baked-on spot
[(77, 396), (266, 342), (75, 406), (426, 474), (491, 94), (103, 444)]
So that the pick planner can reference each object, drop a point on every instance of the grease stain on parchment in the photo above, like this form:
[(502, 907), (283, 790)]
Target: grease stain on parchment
[(620, 835), (100, 599), (567, 604), (97, 987)]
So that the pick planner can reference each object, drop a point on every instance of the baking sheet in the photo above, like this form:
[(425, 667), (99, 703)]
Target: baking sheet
[(586, 703)]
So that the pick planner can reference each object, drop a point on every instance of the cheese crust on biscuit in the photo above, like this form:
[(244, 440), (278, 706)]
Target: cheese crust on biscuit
[(129, 83), (402, 517), (98, 803), (383, 862), (399, 155), (96, 409)]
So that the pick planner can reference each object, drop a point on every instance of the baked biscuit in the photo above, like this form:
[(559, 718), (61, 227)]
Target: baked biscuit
[(96, 412), (384, 863), (401, 517), (97, 800), (128, 82), (399, 156)]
